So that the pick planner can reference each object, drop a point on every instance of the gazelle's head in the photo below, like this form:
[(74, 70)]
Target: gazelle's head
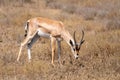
[(76, 46)]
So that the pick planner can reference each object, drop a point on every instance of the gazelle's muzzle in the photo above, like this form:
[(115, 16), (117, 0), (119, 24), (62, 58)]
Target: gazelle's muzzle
[(76, 56)]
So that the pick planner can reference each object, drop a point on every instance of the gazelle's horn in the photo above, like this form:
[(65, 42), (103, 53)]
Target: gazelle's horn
[(82, 36), (74, 36)]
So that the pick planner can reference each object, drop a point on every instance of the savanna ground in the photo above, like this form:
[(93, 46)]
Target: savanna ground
[(99, 56)]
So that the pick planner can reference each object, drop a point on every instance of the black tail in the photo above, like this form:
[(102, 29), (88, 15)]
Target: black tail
[(26, 28)]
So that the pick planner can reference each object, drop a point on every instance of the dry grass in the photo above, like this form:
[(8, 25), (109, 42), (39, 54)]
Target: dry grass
[(99, 55)]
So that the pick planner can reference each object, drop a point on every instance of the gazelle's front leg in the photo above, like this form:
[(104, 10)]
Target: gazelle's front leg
[(53, 45), (59, 50)]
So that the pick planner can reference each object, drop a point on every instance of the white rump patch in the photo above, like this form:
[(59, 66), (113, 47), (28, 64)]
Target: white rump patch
[(43, 34)]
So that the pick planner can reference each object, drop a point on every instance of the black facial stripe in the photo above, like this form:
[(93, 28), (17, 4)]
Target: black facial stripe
[(73, 49), (77, 48)]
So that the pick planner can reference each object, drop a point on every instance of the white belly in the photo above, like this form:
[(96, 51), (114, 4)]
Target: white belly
[(43, 34)]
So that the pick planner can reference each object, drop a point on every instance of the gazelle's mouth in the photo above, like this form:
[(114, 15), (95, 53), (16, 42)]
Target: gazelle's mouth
[(76, 58)]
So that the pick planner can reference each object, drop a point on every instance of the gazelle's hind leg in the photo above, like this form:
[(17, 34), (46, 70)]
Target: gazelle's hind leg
[(26, 40), (53, 45), (29, 45)]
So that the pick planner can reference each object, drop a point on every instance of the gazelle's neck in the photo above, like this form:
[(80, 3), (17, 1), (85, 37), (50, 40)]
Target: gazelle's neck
[(67, 37)]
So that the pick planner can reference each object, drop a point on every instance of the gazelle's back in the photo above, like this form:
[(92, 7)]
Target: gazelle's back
[(46, 23)]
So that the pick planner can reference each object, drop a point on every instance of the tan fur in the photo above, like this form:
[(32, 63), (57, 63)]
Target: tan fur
[(52, 27)]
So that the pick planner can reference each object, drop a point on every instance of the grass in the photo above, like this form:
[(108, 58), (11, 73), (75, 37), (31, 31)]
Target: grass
[(99, 57)]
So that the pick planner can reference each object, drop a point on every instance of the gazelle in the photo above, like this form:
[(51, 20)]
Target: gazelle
[(55, 30)]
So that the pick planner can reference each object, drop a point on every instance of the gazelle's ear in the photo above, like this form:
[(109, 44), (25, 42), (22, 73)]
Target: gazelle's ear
[(82, 41), (71, 42)]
